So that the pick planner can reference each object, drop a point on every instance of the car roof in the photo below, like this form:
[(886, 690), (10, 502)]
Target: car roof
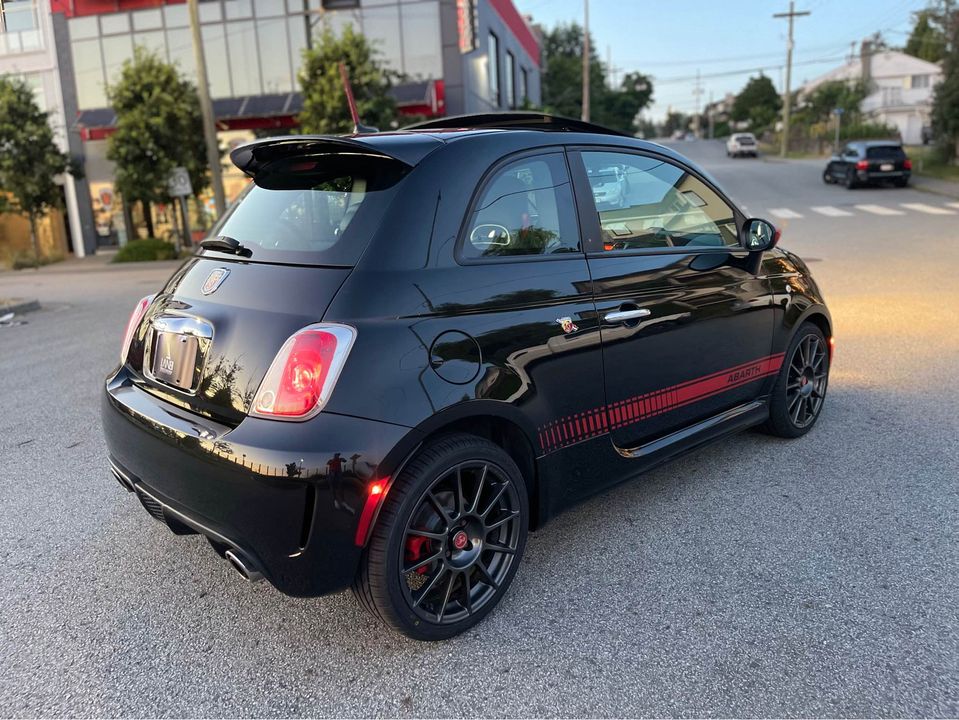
[(410, 145), (875, 143)]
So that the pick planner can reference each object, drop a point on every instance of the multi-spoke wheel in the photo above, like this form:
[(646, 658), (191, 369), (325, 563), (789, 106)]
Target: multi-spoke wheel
[(797, 398), (448, 540)]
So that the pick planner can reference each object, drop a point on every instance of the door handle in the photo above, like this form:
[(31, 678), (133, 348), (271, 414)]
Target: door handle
[(625, 315)]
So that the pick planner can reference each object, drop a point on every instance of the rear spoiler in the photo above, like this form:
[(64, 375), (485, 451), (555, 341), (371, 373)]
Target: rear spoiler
[(253, 158)]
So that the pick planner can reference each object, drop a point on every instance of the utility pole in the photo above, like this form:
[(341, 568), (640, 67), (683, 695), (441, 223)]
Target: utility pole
[(711, 112), (791, 15), (206, 107), (585, 114), (697, 92)]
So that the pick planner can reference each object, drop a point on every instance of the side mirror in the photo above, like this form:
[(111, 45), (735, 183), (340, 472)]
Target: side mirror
[(759, 235), (489, 234)]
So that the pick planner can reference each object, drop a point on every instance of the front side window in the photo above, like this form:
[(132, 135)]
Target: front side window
[(526, 209), (645, 202)]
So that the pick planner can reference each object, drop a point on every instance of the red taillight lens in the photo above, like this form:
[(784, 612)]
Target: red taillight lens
[(134, 322), (862, 165), (301, 379), (907, 164)]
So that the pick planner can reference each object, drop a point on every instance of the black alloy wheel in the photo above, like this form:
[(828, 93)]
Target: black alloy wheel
[(448, 541), (827, 176), (800, 390), (849, 180)]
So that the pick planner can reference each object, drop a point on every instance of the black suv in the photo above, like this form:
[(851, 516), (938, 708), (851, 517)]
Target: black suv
[(397, 353), (867, 162)]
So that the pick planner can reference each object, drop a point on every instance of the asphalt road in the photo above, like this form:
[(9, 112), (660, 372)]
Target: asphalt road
[(816, 577)]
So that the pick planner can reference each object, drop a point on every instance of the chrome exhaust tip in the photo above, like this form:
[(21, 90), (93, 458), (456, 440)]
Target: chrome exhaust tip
[(241, 566)]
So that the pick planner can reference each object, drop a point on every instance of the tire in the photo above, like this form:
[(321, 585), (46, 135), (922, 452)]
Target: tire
[(827, 177), (809, 351), (849, 180), (460, 584)]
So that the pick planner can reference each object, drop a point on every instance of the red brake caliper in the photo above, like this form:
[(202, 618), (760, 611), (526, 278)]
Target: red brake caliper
[(417, 547)]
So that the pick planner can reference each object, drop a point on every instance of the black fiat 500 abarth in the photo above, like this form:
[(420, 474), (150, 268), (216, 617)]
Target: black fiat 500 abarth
[(399, 352)]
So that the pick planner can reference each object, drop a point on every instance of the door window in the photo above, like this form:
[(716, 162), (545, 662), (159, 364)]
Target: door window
[(647, 203), (526, 209)]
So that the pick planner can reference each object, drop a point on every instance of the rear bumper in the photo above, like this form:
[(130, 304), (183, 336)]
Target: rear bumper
[(877, 176), (283, 498)]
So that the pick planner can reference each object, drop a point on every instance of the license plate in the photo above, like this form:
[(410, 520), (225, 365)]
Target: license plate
[(174, 359), (885, 167)]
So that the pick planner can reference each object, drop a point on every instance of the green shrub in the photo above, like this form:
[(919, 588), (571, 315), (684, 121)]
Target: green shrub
[(145, 249), (23, 259)]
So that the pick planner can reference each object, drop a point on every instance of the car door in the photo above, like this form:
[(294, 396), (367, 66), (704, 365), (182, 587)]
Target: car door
[(686, 324)]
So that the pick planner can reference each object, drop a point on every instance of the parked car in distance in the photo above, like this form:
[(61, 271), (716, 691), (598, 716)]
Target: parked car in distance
[(399, 352), (740, 144), (866, 162), (609, 186)]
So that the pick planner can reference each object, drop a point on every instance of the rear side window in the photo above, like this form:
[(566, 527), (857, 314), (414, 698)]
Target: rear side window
[(319, 210), (525, 209), (877, 152)]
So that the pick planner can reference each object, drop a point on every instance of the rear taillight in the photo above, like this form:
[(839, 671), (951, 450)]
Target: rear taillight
[(303, 374), (907, 164), (862, 165), (138, 312)]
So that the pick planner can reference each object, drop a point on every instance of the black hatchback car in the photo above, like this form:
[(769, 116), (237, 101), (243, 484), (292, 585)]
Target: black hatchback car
[(398, 353), (869, 162)]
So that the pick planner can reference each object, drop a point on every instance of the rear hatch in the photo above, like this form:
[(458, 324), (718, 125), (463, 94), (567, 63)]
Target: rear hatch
[(885, 158), (209, 337)]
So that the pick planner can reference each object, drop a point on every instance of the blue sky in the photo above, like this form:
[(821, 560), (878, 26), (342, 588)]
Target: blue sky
[(671, 41)]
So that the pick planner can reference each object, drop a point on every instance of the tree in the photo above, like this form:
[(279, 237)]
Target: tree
[(757, 103), (563, 83), (928, 38), (945, 104), (159, 127), (29, 158), (325, 108), (675, 121), (828, 96)]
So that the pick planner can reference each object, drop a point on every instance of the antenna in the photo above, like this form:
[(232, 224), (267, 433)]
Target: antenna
[(358, 127)]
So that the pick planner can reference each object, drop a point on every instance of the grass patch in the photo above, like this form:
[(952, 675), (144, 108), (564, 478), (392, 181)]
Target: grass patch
[(21, 260), (927, 162), (145, 250)]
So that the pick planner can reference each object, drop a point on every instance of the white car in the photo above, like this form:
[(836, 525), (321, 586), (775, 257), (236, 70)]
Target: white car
[(742, 144)]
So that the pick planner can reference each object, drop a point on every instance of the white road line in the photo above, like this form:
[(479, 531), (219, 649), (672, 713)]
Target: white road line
[(879, 210), (784, 213), (953, 205), (928, 209), (830, 211)]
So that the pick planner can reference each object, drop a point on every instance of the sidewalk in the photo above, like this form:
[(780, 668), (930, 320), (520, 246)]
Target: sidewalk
[(92, 263), (935, 185)]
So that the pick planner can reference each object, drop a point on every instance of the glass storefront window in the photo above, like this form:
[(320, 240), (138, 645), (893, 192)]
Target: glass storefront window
[(269, 8), (422, 54), (19, 27), (114, 23), (274, 55), (180, 46), (379, 26), (237, 9), (176, 16), (297, 27), (116, 49), (210, 12), (217, 67), (88, 68), (83, 28), (152, 41), (244, 68), (148, 19)]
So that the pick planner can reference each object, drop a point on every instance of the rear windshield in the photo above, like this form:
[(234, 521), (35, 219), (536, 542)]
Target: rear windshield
[(893, 152), (318, 210), (746, 138)]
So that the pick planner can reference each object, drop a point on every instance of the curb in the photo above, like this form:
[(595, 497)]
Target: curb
[(954, 194), (19, 305)]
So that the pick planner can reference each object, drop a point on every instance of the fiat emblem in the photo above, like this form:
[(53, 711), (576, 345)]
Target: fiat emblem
[(459, 540), (214, 280)]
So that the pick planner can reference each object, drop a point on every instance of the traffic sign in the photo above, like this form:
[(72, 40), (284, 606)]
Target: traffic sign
[(178, 184)]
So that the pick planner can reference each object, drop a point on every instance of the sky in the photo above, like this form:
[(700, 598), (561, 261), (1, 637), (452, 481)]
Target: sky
[(727, 41)]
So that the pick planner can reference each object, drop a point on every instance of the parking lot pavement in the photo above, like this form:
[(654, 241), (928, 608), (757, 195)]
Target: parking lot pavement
[(756, 577)]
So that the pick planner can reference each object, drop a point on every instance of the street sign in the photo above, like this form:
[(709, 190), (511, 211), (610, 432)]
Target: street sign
[(837, 111), (178, 184)]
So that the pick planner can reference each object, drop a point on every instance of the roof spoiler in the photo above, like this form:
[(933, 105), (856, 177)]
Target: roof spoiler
[(514, 121), (253, 158)]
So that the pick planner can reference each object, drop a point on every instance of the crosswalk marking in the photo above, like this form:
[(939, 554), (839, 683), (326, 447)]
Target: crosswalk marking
[(784, 213), (830, 211), (928, 209), (879, 210), (953, 205)]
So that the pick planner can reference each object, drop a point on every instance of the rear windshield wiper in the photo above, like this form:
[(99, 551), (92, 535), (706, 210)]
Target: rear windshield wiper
[(224, 243)]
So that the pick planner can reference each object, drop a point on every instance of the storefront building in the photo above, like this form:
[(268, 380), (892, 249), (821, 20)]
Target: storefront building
[(454, 56)]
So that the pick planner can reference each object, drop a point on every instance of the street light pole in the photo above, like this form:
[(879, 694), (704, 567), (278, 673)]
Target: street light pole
[(585, 114), (206, 108), (787, 101)]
